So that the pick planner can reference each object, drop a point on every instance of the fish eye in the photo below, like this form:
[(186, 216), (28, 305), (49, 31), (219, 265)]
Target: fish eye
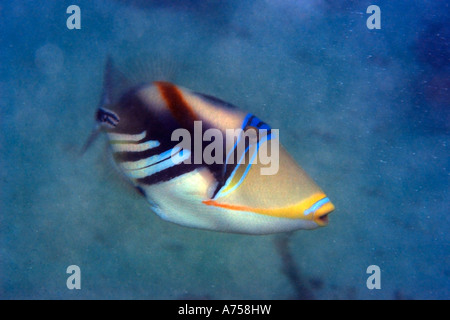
[(107, 117)]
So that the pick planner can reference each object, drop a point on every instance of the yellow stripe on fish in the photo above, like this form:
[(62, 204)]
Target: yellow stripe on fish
[(314, 208)]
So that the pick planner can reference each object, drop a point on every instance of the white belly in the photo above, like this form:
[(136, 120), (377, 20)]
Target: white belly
[(180, 201)]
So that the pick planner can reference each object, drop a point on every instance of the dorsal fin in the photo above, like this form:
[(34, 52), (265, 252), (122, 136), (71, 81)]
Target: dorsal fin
[(115, 83)]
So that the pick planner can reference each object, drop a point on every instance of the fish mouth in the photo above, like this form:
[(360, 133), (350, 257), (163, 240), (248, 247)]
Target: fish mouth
[(322, 220), (321, 215)]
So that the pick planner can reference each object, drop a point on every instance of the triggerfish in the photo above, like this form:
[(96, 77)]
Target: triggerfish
[(214, 177)]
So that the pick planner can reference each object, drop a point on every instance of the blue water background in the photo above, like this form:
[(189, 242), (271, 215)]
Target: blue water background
[(365, 112)]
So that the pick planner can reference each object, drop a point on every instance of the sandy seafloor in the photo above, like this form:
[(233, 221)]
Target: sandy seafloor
[(365, 112)]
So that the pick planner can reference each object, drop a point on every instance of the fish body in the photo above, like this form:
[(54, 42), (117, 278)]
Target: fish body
[(230, 192)]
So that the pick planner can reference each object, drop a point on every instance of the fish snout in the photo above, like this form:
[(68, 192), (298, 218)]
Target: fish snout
[(321, 214)]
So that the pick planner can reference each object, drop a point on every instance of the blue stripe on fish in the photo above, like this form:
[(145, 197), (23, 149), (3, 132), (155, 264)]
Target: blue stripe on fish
[(246, 120), (169, 161), (316, 206), (141, 164), (230, 178)]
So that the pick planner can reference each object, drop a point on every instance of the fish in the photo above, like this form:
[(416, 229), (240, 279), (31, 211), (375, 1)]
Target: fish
[(156, 132)]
